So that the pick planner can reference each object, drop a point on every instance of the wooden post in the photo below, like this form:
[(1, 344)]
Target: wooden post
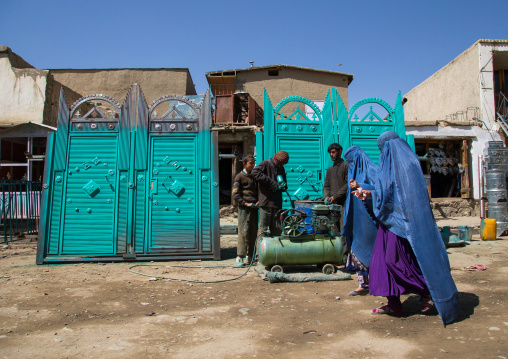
[(236, 166), (427, 164), (465, 190)]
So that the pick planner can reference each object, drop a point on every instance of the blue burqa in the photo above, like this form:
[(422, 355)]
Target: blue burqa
[(401, 203), (360, 224)]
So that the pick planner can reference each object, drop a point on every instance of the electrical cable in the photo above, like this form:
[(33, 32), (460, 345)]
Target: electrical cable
[(199, 267)]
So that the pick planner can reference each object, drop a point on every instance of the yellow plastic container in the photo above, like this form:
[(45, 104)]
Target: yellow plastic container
[(488, 229)]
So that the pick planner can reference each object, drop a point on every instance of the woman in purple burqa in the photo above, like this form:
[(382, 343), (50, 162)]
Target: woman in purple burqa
[(394, 271), (408, 255)]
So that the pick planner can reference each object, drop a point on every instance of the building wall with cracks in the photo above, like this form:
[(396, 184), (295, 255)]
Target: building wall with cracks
[(23, 90)]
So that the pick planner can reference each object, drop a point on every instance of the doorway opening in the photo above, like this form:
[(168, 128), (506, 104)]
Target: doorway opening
[(230, 164)]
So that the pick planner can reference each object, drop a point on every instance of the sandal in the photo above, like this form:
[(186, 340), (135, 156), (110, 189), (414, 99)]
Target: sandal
[(386, 309), (363, 291), (427, 304)]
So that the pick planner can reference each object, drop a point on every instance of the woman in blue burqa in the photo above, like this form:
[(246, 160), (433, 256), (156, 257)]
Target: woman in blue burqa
[(409, 255), (360, 224)]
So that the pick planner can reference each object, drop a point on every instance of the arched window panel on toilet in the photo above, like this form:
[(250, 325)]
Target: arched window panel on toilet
[(366, 120)]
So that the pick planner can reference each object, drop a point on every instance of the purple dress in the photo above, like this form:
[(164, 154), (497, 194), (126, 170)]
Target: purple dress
[(394, 269)]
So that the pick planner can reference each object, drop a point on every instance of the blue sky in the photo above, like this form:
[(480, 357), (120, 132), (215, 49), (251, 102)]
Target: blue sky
[(389, 46)]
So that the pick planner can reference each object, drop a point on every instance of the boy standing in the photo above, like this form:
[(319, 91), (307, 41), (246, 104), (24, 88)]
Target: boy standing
[(245, 193)]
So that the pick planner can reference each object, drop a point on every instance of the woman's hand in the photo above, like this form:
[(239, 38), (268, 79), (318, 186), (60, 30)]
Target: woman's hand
[(362, 194)]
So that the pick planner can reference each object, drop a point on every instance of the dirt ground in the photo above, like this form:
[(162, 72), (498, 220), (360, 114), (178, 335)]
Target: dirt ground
[(99, 310)]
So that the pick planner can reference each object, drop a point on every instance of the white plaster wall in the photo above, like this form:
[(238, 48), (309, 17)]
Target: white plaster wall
[(454, 88), (480, 137), (22, 94), (466, 82)]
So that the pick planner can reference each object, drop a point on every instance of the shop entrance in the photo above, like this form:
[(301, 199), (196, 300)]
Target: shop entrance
[(445, 164)]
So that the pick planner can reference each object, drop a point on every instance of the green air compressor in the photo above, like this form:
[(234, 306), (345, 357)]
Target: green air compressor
[(306, 238)]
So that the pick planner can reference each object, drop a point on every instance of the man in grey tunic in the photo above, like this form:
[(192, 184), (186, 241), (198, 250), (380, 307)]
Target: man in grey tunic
[(336, 184)]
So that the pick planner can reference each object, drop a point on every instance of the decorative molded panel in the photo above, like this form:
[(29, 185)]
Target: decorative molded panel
[(298, 114), (182, 114), (164, 127), (96, 108), (95, 126), (371, 116), (299, 127), (301, 194), (92, 189), (371, 129), (363, 131)]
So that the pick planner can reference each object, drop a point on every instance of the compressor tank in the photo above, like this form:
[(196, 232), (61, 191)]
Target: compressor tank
[(304, 250)]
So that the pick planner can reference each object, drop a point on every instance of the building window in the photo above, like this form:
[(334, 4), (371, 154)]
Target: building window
[(273, 72)]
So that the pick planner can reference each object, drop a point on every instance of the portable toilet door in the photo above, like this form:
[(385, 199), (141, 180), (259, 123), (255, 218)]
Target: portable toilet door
[(80, 198), (366, 120), (305, 133), (182, 187)]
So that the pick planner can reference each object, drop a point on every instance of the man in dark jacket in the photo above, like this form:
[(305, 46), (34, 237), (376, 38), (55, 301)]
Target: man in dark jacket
[(270, 192), (336, 184)]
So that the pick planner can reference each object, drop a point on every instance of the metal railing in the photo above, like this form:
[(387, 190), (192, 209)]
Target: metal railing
[(19, 209), (228, 87)]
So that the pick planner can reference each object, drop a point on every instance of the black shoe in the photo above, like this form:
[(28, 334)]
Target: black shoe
[(363, 291)]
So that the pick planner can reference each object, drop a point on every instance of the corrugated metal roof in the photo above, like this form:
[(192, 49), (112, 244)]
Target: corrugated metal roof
[(270, 67), (27, 129), (51, 128)]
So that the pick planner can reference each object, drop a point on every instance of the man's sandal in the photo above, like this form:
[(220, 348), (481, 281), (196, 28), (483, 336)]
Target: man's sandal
[(386, 309)]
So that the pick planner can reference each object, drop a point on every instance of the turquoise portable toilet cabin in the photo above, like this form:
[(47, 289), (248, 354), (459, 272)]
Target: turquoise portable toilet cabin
[(305, 131), (131, 182)]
